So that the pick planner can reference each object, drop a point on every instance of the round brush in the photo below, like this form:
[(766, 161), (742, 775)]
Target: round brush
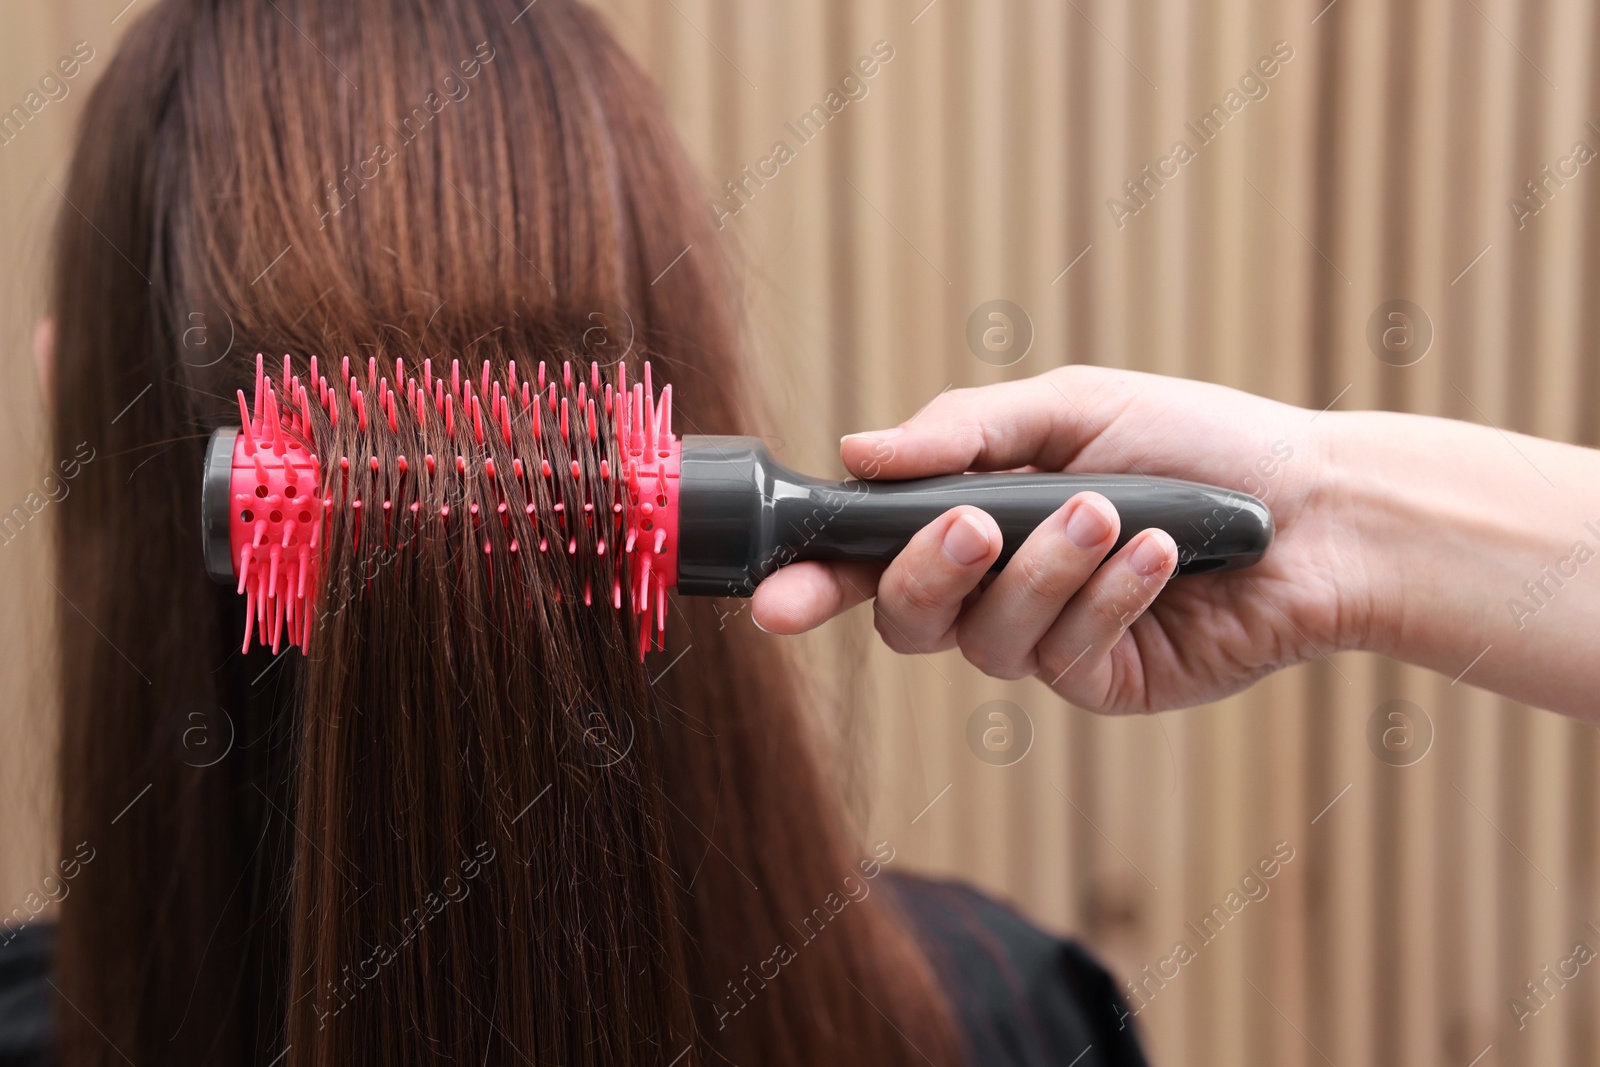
[(707, 515)]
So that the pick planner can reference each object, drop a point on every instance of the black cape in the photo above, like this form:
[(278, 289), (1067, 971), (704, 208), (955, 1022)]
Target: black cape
[(1021, 997)]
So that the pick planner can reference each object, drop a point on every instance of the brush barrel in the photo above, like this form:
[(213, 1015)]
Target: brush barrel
[(742, 515)]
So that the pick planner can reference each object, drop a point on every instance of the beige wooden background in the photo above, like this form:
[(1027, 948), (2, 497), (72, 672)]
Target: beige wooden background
[(1420, 899)]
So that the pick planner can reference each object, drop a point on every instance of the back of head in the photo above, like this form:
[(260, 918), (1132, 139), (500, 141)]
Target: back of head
[(471, 824)]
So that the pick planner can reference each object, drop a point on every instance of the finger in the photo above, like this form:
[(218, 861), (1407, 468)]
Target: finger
[(1035, 421), (999, 633), (805, 595), (1075, 655), (922, 590)]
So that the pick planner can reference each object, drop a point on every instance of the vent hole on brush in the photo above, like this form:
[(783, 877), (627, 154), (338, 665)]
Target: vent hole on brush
[(276, 516), (288, 491), (647, 525), (247, 515), (261, 490), (662, 500), (305, 516)]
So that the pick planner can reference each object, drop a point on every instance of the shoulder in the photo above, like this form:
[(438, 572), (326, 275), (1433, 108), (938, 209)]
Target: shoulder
[(25, 995), (1021, 996)]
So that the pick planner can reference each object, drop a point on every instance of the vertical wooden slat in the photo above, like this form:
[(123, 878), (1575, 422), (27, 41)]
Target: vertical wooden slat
[(1037, 113)]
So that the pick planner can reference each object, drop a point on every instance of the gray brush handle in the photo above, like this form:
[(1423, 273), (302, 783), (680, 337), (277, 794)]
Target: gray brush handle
[(742, 514)]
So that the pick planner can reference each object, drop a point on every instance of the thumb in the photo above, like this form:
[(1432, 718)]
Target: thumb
[(994, 427)]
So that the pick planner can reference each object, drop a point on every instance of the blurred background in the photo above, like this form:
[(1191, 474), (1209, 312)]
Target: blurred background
[(1401, 214)]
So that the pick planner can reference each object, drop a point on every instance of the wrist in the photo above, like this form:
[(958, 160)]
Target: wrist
[(1374, 515), (1355, 504), (1442, 521), (1425, 540)]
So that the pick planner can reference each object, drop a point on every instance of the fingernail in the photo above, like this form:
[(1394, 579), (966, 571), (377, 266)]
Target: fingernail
[(1086, 527), (757, 621), (966, 542), (1152, 554), (875, 435)]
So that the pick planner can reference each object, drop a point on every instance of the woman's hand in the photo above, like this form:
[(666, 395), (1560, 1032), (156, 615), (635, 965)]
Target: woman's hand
[(1094, 629)]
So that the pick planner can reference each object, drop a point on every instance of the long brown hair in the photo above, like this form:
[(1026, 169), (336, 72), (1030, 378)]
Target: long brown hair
[(471, 824)]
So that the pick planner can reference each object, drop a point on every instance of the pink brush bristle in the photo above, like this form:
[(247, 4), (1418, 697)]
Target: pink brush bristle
[(276, 518), (282, 502)]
